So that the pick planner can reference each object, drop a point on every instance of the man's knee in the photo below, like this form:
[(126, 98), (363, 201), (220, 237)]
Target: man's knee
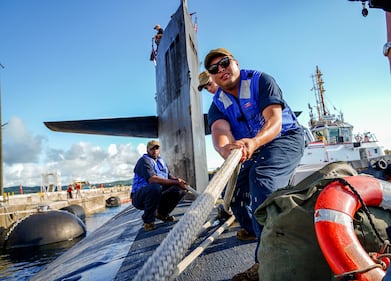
[(154, 188)]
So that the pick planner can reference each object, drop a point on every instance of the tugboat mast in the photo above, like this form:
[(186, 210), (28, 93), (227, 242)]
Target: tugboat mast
[(319, 94)]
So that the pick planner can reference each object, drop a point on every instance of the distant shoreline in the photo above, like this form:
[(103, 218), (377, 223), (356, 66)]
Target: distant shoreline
[(35, 189)]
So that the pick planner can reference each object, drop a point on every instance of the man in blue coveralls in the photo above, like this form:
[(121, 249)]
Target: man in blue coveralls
[(154, 189), (250, 113)]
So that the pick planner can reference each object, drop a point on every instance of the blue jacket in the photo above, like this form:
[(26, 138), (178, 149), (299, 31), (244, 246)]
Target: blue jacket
[(159, 167), (245, 113)]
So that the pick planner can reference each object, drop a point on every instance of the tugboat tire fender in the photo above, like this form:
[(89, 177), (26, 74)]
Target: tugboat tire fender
[(381, 164)]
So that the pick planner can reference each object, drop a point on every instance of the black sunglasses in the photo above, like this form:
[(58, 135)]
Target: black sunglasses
[(224, 63)]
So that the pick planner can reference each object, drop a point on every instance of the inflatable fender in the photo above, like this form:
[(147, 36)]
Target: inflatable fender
[(43, 228), (77, 210), (113, 201)]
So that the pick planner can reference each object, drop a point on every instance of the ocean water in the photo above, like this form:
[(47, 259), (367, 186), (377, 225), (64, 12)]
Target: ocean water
[(22, 264)]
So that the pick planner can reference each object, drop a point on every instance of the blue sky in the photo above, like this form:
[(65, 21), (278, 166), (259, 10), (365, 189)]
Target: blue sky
[(71, 60)]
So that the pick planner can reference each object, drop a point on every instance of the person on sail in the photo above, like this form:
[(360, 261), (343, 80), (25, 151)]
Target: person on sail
[(249, 113), (154, 189), (158, 36)]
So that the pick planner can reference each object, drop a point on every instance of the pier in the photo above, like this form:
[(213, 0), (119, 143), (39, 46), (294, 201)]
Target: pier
[(14, 207)]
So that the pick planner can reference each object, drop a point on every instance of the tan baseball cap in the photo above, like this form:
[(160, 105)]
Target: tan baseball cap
[(153, 143), (219, 52), (203, 79)]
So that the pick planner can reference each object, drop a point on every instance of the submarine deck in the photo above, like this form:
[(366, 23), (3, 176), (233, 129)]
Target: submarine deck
[(120, 247)]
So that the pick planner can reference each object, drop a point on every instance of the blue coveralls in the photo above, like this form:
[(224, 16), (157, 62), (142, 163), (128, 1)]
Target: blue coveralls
[(387, 277), (271, 165), (153, 197)]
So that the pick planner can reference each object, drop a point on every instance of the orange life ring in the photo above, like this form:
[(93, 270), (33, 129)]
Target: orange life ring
[(334, 212)]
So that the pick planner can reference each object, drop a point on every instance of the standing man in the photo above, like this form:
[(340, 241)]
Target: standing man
[(154, 189), (69, 191), (250, 113), (78, 190)]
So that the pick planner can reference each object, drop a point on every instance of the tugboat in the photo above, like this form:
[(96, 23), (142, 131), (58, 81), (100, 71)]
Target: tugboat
[(330, 139)]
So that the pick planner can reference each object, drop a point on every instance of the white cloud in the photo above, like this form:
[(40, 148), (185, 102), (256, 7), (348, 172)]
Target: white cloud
[(26, 157), (141, 148), (86, 161), (112, 149), (19, 144), (28, 174)]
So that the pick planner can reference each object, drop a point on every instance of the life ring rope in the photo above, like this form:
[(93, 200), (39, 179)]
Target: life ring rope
[(334, 213), (351, 275), (363, 206)]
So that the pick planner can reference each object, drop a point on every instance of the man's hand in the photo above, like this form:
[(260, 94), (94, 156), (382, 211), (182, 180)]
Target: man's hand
[(225, 151), (182, 184), (248, 148)]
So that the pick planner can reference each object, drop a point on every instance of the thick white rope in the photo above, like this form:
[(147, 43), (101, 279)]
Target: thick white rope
[(198, 251), (163, 263), (229, 192), (192, 190)]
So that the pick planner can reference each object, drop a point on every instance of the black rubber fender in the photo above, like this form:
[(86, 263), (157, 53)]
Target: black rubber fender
[(43, 228), (77, 210), (113, 201)]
